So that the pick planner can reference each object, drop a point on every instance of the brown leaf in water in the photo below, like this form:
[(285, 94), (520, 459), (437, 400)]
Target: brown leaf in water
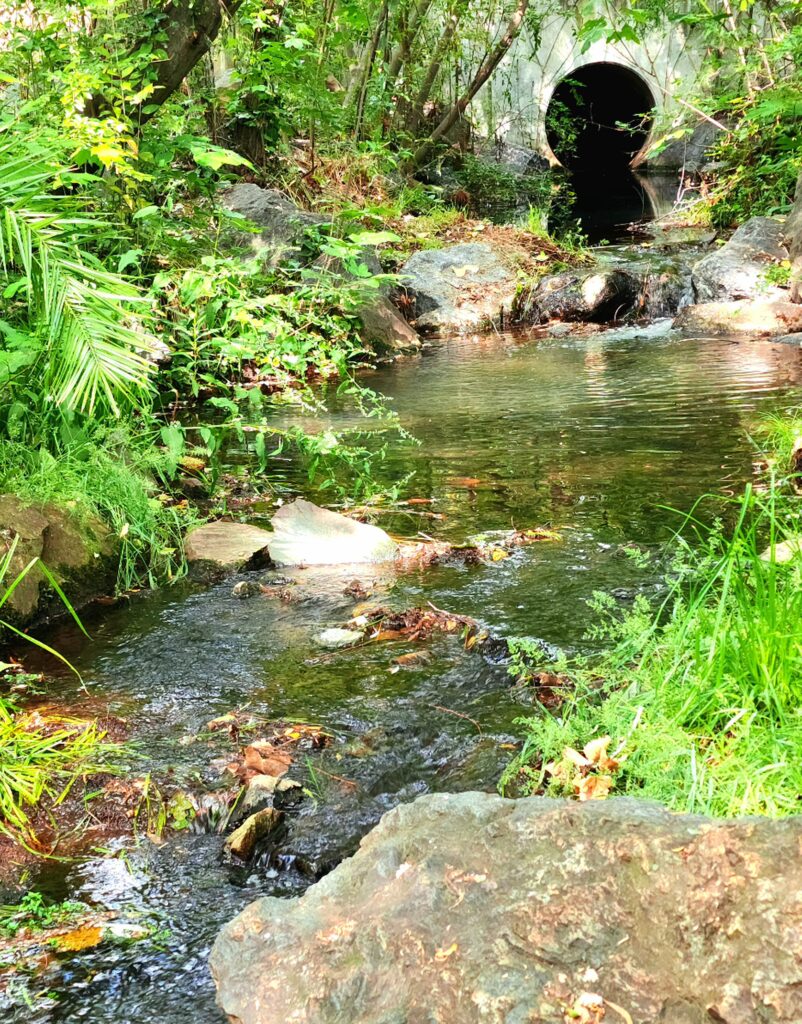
[(262, 758), (84, 937), (464, 481), (413, 658)]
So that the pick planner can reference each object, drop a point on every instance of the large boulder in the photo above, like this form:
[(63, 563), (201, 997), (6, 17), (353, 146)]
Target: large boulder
[(460, 288), (283, 224), (470, 908), (757, 319), (516, 159), (738, 269), (691, 153), (78, 550), (598, 295)]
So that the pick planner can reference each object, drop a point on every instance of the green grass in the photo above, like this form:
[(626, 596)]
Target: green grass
[(112, 476), (703, 694)]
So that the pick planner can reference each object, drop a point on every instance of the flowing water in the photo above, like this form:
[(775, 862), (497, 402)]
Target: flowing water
[(595, 437)]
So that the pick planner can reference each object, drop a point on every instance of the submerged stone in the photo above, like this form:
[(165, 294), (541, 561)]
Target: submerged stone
[(759, 319), (242, 841), (471, 908), (335, 638)]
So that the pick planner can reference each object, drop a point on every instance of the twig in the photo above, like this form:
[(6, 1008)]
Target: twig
[(459, 714), (337, 778)]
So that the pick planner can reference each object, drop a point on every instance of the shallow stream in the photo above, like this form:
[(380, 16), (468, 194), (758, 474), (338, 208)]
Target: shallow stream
[(595, 437)]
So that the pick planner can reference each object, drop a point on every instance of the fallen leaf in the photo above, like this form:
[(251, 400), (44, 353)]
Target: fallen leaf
[(84, 937), (576, 758), (596, 749), (498, 554), (263, 758), (413, 658), (444, 954), (594, 787)]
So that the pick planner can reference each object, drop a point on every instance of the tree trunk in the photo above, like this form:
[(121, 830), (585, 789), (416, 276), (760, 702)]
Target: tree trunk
[(191, 26), (400, 54), (793, 234), (486, 69), (365, 71), (425, 90)]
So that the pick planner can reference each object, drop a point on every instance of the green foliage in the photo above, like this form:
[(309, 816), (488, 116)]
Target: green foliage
[(701, 694), (36, 913), (489, 184)]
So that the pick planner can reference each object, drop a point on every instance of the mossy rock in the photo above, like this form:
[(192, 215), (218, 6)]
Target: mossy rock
[(78, 550)]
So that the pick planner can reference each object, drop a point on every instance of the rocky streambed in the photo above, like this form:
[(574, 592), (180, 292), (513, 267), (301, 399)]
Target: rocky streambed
[(589, 437)]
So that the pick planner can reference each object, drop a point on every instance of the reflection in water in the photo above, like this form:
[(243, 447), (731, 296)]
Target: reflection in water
[(594, 438), (607, 201)]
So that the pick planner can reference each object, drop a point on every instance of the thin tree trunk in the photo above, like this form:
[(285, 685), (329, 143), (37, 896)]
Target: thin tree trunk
[(425, 90), (486, 69), (401, 50), (371, 57)]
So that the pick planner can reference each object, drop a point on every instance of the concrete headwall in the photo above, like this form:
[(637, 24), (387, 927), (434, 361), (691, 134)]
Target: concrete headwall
[(512, 108)]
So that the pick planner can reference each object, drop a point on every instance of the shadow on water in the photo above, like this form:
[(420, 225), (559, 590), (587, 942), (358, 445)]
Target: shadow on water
[(594, 438)]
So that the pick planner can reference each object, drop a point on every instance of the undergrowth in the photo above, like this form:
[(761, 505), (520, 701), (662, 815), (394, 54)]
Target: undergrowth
[(699, 697)]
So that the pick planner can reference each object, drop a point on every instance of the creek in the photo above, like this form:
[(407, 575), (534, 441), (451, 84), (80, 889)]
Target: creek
[(597, 437)]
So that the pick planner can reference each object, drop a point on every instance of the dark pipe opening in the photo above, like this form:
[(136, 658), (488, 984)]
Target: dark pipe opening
[(599, 117)]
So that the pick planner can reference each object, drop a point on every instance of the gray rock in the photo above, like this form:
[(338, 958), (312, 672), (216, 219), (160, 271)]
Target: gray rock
[(690, 153), (516, 159), (745, 317), (597, 295), (226, 545), (459, 288), (283, 228), (304, 534), (789, 339), (258, 796), (737, 270), (245, 589), (283, 224), (470, 908), (384, 329), (79, 551)]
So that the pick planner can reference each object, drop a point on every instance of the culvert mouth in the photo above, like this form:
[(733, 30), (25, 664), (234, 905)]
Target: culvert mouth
[(599, 118)]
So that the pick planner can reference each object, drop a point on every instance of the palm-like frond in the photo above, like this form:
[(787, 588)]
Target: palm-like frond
[(92, 322)]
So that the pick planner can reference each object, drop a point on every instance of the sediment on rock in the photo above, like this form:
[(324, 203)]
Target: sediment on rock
[(472, 908)]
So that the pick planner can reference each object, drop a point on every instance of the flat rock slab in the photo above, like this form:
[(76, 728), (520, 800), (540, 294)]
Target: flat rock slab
[(459, 288), (305, 534), (226, 545), (758, 319), (467, 908)]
